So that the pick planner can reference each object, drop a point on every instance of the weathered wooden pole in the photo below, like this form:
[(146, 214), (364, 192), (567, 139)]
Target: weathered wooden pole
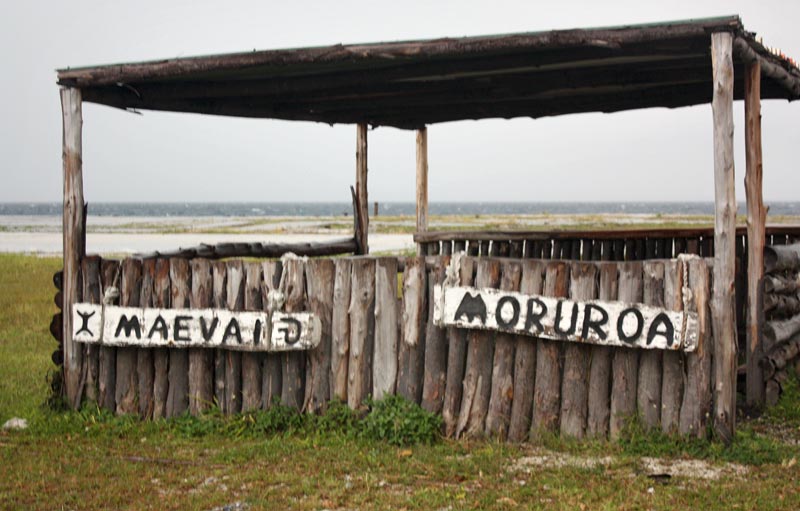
[(756, 225), (362, 209), (73, 234), (422, 184), (723, 315)]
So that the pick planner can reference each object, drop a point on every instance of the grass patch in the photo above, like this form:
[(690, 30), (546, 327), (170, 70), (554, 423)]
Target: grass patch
[(277, 459)]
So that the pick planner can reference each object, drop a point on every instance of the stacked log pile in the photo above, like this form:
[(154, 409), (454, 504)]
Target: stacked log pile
[(781, 306)]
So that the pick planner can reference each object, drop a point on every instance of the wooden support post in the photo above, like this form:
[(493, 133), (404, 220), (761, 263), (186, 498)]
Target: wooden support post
[(362, 200), (422, 183), (756, 224), (723, 315), (73, 232)]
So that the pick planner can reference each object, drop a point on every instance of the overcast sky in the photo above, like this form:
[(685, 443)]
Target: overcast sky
[(654, 154)]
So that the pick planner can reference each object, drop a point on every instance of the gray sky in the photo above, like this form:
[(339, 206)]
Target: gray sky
[(654, 154)]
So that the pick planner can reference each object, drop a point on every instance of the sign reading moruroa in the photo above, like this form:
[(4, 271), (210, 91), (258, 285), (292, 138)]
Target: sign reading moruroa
[(194, 328), (594, 322)]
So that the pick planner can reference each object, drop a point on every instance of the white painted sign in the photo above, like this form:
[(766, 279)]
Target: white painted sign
[(194, 328), (594, 322)]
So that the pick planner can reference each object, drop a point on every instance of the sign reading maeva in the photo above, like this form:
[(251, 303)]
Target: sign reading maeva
[(594, 321), (194, 328)]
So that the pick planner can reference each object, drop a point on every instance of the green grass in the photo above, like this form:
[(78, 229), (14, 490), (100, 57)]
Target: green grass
[(277, 459)]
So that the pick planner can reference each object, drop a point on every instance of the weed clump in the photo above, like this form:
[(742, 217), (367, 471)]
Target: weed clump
[(399, 422)]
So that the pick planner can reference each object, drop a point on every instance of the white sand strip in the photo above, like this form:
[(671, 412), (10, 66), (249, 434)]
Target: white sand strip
[(51, 243)]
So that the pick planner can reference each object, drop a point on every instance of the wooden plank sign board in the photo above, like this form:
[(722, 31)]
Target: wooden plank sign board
[(607, 323), (194, 328)]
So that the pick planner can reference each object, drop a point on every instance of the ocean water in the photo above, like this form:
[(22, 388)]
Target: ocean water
[(225, 209)]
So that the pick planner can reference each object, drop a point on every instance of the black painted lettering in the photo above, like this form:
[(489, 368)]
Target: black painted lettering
[(573, 322), (472, 307), (232, 330), (594, 324), (535, 318), (514, 308), (668, 331), (291, 334), (160, 326), (181, 329), (257, 333), (85, 322), (630, 339), (129, 325), (206, 330)]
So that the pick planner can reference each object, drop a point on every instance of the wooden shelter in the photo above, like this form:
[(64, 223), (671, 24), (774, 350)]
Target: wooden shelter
[(411, 85)]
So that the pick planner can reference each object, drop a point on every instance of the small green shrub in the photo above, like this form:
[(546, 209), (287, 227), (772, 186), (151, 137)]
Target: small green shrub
[(788, 407), (398, 421), (337, 419)]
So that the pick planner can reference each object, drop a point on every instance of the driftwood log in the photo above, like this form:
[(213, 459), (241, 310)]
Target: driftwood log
[(234, 297), (435, 365), (144, 363), (411, 352), (340, 329), (107, 362), (362, 333), (478, 372), (625, 363), (456, 360), (384, 367), (178, 393), (294, 363), (320, 275), (90, 272), (531, 282), (547, 389), (599, 411), (201, 361), (252, 363), (781, 284), (778, 331), (577, 357), (648, 397), (271, 374), (780, 356), (126, 380), (673, 362), (697, 399), (219, 276), (782, 258), (263, 250), (161, 298), (498, 416)]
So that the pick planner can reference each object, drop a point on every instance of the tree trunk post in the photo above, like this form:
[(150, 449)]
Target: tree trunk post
[(361, 188), (756, 224), (74, 231), (422, 184), (724, 319)]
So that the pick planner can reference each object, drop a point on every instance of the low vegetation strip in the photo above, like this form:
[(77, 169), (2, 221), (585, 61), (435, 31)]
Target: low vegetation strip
[(391, 459)]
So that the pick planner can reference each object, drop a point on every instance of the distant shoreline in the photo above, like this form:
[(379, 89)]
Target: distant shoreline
[(41, 234), (391, 208)]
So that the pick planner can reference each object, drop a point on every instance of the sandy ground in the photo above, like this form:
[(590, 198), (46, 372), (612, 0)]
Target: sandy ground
[(51, 242)]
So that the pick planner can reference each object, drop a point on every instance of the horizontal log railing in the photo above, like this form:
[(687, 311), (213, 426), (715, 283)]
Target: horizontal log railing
[(378, 338), (593, 245)]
